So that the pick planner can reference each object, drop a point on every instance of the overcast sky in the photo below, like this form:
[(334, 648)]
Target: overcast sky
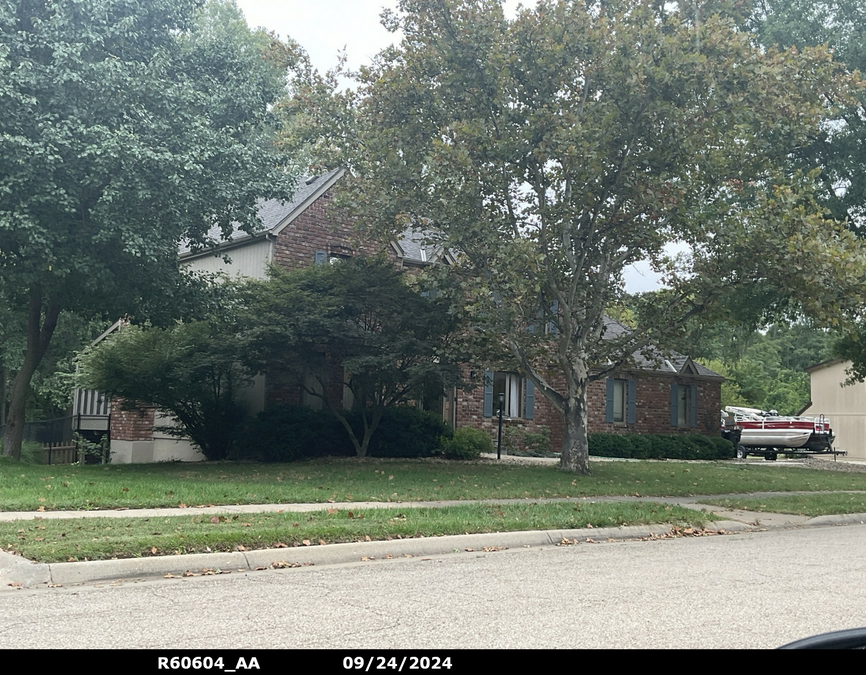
[(325, 27)]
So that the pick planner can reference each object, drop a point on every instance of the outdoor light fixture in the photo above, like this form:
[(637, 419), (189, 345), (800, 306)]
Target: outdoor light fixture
[(499, 438)]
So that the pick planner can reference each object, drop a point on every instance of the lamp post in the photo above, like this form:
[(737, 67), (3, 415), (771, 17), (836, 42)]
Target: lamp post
[(499, 438)]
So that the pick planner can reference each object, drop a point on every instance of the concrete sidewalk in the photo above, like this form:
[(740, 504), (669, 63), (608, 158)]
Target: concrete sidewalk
[(17, 572)]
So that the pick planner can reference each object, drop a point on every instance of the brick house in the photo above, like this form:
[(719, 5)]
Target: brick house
[(679, 396)]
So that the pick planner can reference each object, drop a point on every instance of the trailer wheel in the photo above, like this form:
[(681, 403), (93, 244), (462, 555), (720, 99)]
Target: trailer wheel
[(771, 456), (742, 453)]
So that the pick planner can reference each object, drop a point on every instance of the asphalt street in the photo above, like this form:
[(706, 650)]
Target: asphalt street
[(743, 590)]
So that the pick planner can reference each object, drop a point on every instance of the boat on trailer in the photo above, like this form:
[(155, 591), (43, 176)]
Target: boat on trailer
[(769, 434)]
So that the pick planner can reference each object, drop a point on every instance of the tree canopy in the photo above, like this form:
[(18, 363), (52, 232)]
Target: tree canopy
[(838, 147), (554, 149), (356, 324), (126, 126), (191, 370)]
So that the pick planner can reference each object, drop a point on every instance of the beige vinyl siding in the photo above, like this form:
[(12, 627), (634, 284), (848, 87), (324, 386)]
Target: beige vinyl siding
[(250, 261), (845, 407)]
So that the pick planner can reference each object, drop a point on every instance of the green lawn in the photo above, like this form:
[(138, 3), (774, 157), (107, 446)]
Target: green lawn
[(804, 505), (28, 488), (106, 538), (44, 488)]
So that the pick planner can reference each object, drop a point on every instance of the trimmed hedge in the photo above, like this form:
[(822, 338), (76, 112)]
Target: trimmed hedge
[(468, 443), (288, 433), (404, 432), (660, 446)]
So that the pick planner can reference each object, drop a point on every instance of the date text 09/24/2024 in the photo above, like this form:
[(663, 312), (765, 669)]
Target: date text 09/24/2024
[(349, 662)]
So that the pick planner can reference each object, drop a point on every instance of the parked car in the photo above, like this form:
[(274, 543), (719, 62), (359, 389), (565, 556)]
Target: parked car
[(853, 638)]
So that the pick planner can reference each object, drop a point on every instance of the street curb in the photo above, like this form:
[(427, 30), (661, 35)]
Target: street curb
[(839, 519), (19, 572)]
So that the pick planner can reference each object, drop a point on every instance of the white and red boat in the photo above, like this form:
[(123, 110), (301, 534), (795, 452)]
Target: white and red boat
[(772, 433)]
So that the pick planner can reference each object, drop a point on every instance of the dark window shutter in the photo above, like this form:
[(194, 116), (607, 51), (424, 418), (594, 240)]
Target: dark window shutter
[(608, 401), (529, 412), (632, 402), (675, 397), (321, 257), (488, 394), (693, 412), (551, 326)]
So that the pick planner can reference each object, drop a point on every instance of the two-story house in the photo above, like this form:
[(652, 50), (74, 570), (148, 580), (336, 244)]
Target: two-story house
[(675, 396)]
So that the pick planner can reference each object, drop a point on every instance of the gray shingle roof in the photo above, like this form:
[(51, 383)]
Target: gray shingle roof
[(271, 212), (417, 247), (654, 358)]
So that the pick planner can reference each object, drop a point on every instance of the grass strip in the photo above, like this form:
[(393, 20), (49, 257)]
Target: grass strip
[(802, 505), (30, 488), (108, 538)]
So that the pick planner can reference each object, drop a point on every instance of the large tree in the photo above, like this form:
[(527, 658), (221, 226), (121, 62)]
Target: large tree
[(125, 127), (557, 148), (839, 147)]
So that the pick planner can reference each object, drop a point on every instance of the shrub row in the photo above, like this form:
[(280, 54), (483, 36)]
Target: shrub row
[(288, 433), (660, 446)]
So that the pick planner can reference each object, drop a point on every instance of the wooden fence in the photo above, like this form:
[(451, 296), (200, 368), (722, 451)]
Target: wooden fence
[(60, 453)]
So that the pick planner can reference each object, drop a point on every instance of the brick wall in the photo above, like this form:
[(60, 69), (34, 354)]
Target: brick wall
[(321, 227), (653, 406), (131, 425), (652, 410)]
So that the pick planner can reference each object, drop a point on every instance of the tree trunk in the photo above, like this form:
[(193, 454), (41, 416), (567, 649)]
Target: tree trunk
[(38, 336), (2, 396), (575, 439)]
